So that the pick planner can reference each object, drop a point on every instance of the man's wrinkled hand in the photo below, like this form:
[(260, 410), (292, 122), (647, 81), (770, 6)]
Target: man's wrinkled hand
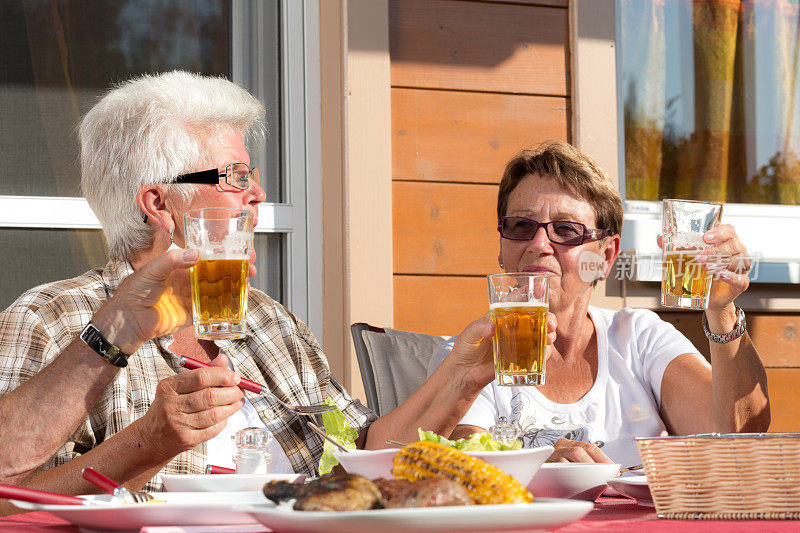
[(190, 408)]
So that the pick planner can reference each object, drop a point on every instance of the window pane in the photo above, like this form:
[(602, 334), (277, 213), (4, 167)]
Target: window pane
[(59, 56), (710, 97), (37, 256)]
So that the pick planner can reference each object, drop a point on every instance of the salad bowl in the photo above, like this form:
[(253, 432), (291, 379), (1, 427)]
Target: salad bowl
[(521, 464)]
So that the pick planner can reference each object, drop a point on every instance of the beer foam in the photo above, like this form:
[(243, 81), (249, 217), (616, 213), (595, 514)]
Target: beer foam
[(238, 241), (219, 256), (499, 305), (687, 240)]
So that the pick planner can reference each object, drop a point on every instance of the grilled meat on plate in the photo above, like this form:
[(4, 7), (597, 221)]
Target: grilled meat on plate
[(346, 492), (428, 492)]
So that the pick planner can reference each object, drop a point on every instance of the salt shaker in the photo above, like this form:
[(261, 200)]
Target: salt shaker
[(504, 431), (252, 450)]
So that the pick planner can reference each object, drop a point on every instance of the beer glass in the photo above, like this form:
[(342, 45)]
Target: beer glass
[(684, 282), (518, 303), (224, 238)]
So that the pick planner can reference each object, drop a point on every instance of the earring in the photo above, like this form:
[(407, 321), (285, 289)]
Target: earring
[(171, 231), (500, 261)]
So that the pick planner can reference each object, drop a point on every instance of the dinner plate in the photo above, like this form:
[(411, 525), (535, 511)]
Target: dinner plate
[(224, 482), (635, 487), (544, 513), (178, 509)]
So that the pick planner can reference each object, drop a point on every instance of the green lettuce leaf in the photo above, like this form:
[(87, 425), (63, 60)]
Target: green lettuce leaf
[(477, 442), (431, 436), (340, 430)]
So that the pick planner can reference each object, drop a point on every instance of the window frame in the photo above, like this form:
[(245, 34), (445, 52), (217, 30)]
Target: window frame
[(297, 217)]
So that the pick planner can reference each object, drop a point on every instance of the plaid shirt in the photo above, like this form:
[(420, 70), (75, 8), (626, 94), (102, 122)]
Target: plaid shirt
[(279, 351)]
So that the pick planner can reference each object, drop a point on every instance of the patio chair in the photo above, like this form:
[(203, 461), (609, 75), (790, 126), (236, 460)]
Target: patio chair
[(393, 363)]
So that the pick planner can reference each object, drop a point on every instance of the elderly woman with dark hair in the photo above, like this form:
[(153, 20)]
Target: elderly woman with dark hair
[(611, 375)]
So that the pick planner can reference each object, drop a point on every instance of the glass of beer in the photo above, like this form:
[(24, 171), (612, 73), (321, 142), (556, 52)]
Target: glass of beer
[(684, 282), (224, 238), (518, 303)]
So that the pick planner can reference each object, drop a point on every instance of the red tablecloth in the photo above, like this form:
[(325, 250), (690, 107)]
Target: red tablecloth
[(609, 514)]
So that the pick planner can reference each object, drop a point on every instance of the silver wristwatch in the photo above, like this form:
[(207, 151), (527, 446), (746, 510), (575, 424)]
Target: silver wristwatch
[(738, 329)]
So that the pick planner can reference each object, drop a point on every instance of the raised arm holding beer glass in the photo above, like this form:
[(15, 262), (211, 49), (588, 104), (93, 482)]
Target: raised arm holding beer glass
[(610, 375)]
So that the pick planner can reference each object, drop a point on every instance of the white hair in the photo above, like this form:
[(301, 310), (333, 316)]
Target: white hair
[(148, 131)]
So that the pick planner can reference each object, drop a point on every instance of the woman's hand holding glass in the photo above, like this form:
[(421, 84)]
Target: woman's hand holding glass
[(152, 302), (727, 260), (472, 350)]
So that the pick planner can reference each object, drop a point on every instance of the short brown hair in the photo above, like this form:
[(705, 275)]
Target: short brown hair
[(574, 171)]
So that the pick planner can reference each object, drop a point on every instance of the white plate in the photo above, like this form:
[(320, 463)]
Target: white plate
[(635, 487), (180, 509), (541, 514), (224, 482), (580, 481)]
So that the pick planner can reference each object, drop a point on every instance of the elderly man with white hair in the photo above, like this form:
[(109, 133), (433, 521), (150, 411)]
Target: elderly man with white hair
[(63, 406)]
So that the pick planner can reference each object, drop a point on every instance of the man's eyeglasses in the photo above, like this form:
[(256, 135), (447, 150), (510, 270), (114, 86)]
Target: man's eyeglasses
[(558, 231), (236, 177)]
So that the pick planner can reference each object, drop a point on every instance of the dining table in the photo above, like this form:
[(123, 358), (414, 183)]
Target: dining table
[(609, 514)]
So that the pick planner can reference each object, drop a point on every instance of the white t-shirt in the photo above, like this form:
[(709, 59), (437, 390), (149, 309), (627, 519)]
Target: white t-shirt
[(634, 347)]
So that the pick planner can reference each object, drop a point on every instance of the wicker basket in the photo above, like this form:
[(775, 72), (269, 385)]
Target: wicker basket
[(740, 476)]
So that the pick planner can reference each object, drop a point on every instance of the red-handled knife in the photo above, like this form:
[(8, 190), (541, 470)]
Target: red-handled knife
[(24, 494), (245, 384)]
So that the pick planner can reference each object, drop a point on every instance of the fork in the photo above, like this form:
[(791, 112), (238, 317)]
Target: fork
[(112, 487), (631, 468), (245, 384)]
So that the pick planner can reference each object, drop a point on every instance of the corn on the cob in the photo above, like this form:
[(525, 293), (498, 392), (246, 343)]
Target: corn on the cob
[(485, 483)]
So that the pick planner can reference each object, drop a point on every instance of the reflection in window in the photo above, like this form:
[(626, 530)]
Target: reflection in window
[(38, 256), (58, 56), (710, 96)]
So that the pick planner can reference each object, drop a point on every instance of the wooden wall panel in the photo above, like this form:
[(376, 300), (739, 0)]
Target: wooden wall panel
[(479, 46), (438, 305), (459, 136), (776, 338), (784, 398), (444, 228), (775, 335)]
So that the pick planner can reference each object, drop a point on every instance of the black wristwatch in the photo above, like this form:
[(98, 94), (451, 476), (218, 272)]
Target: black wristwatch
[(95, 340)]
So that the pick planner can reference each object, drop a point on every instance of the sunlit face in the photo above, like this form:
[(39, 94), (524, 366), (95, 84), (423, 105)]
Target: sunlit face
[(226, 149), (544, 200)]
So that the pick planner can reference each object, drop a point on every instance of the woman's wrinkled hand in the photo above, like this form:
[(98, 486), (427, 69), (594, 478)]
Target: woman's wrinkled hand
[(152, 302), (573, 451), (727, 261), (189, 408), (472, 350)]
